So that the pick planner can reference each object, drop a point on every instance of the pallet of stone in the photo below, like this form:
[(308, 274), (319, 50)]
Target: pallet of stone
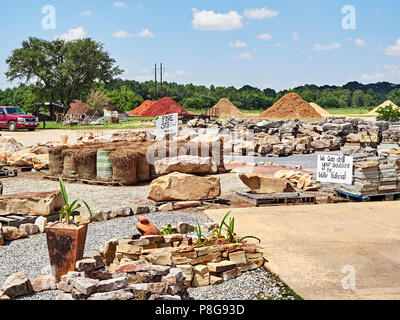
[(387, 196), (18, 169), (5, 173), (69, 180), (261, 200)]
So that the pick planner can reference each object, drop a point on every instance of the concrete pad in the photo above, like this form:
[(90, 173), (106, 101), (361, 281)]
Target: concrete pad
[(316, 248)]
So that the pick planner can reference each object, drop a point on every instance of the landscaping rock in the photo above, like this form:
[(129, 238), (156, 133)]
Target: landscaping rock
[(85, 286), (133, 266), (146, 227), (65, 296), (221, 266), (123, 212), (86, 265), (118, 295), (262, 184), (166, 207), (41, 222), (44, 283), (4, 297), (29, 228), (82, 219), (184, 228), (17, 285), (112, 284), (32, 204), (13, 233), (186, 204), (185, 164), (214, 280), (164, 297), (184, 187), (108, 251), (101, 216)]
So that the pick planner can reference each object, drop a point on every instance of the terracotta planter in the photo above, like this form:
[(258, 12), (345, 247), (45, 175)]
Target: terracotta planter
[(66, 245)]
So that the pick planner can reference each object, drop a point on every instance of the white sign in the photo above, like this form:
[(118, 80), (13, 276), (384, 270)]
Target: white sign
[(335, 169), (168, 124)]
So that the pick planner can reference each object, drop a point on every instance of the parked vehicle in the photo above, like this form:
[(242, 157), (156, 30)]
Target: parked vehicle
[(15, 118)]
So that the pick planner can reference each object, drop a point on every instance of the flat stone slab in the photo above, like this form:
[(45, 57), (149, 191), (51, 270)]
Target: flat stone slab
[(316, 249), (31, 203)]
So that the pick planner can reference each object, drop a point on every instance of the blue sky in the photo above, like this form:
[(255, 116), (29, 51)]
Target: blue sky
[(276, 43)]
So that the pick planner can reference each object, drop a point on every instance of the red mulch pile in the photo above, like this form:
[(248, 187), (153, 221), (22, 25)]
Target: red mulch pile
[(143, 108), (78, 107), (151, 109)]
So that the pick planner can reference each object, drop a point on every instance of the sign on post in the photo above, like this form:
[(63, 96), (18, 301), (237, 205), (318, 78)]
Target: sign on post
[(335, 169), (167, 124)]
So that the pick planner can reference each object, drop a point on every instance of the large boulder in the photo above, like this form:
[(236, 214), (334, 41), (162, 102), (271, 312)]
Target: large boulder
[(41, 162), (21, 159), (262, 184), (10, 144), (185, 164), (31, 203), (17, 285), (184, 187)]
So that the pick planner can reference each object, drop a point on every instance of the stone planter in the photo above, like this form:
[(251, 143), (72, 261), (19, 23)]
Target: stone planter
[(66, 244)]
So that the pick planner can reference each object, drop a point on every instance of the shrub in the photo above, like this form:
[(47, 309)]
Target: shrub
[(388, 113)]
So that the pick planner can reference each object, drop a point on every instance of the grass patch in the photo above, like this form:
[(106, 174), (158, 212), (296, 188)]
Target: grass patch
[(344, 111)]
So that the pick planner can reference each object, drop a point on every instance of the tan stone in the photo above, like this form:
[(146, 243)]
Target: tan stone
[(43, 283), (231, 274), (201, 270), (201, 280), (187, 270), (247, 266), (263, 184), (16, 285), (185, 164), (13, 233), (206, 258), (21, 159), (41, 162), (166, 207), (189, 254), (29, 228), (184, 187), (162, 258), (257, 255), (108, 252), (30, 203), (208, 250), (221, 266), (186, 204), (82, 219), (173, 238), (129, 249), (238, 256), (216, 280)]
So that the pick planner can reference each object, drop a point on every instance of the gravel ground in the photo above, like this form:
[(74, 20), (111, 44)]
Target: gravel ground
[(31, 257)]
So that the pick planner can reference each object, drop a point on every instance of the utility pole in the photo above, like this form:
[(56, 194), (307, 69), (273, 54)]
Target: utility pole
[(161, 83), (155, 82)]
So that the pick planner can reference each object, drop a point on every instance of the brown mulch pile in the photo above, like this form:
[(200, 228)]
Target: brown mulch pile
[(227, 109), (291, 106), (78, 107)]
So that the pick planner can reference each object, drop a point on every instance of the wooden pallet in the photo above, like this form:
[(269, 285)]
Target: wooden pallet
[(390, 196), (325, 149), (5, 173), (303, 152), (91, 182), (15, 168), (16, 221), (262, 200)]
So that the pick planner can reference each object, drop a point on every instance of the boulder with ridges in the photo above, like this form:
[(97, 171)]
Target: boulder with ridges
[(263, 184), (185, 164), (184, 187)]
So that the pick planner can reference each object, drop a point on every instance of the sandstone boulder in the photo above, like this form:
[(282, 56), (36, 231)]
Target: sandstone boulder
[(31, 203), (13, 233), (184, 187), (185, 164), (262, 184), (10, 144), (21, 159), (41, 162)]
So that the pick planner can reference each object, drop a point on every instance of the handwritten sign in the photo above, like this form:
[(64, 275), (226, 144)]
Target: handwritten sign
[(168, 124), (335, 169)]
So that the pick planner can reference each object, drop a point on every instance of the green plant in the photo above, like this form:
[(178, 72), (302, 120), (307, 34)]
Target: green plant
[(167, 230), (67, 210), (388, 113)]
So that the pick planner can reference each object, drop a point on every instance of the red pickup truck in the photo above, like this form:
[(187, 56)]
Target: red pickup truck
[(15, 118)]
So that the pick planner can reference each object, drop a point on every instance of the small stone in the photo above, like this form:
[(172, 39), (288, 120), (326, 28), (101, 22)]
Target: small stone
[(129, 249), (65, 296), (99, 261), (101, 216), (64, 286), (188, 271), (100, 275), (207, 258), (158, 270), (154, 239), (201, 280), (113, 295), (44, 283), (221, 266), (173, 238), (29, 228), (257, 255), (231, 274), (216, 280), (112, 284), (166, 207), (184, 228), (175, 277), (141, 210), (161, 258), (77, 295), (123, 212), (238, 257), (82, 219), (134, 266), (86, 265), (13, 233), (165, 297), (17, 285), (85, 286), (200, 270), (4, 297), (108, 252), (186, 204), (71, 275)]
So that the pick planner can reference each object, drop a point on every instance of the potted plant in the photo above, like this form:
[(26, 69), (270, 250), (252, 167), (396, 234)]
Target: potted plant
[(66, 240)]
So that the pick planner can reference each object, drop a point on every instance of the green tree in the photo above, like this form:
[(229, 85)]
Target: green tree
[(63, 71), (125, 99), (394, 96)]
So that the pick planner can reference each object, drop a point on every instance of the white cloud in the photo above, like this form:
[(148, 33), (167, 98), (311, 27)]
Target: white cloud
[(145, 33), (330, 47), (146, 77), (295, 36), (86, 13), (238, 44), (210, 21), (121, 34), (120, 5), (260, 14), (393, 50), (372, 76), (181, 73), (360, 42), (264, 36), (72, 34), (244, 56)]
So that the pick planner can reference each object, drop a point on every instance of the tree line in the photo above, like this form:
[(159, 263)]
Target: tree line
[(59, 71)]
